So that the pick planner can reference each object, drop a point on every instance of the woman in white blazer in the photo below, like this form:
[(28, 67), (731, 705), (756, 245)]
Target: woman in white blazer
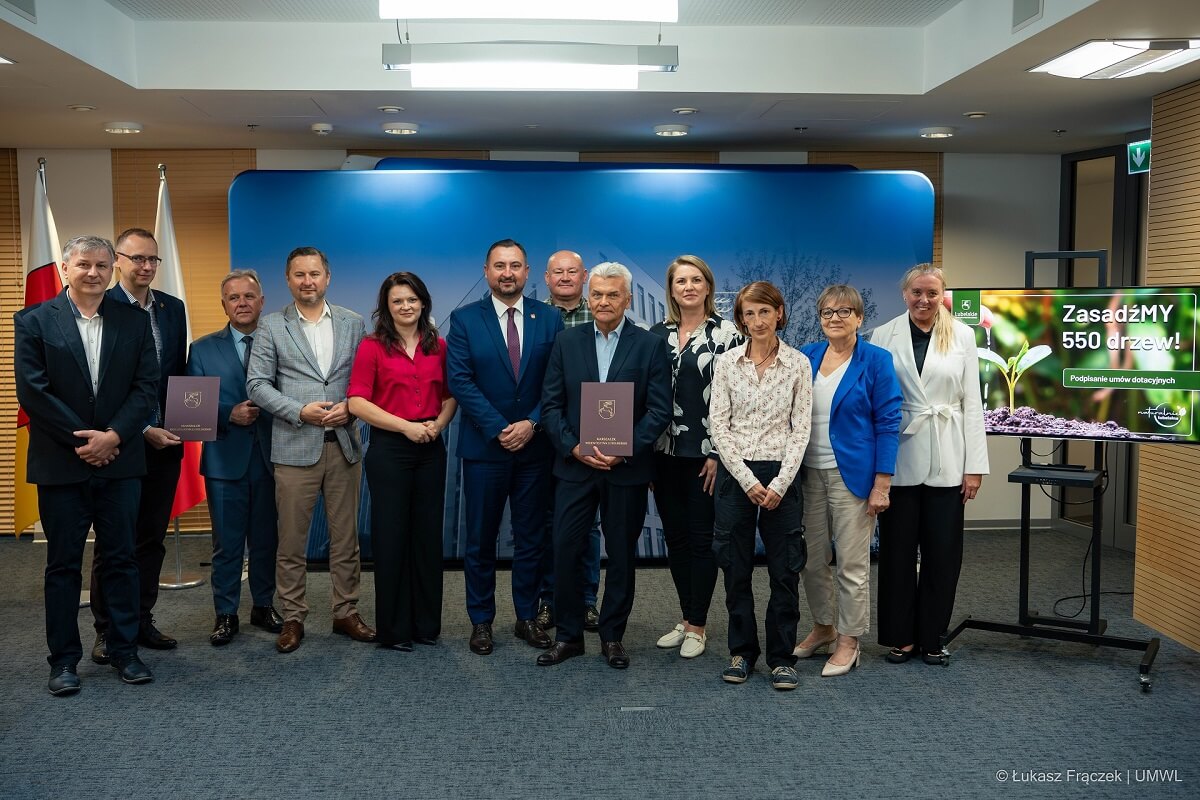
[(941, 461)]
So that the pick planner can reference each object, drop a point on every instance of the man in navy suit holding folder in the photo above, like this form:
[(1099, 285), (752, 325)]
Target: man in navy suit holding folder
[(238, 476), (496, 353), (609, 349)]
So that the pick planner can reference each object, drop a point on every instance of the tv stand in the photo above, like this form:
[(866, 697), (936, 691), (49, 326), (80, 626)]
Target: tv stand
[(1029, 623)]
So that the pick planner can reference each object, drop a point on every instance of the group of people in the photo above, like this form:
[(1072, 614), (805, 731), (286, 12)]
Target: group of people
[(734, 431)]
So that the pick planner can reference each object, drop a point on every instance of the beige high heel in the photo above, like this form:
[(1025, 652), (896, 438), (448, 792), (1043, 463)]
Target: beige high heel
[(819, 647), (831, 670)]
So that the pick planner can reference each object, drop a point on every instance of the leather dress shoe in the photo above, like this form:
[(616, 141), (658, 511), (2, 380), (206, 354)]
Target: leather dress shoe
[(532, 633), (545, 616), (290, 636), (615, 655), (132, 670), (267, 618), (354, 627), (591, 619), (100, 648), (152, 637), (428, 641), (63, 680), (560, 652), (224, 630), (481, 639)]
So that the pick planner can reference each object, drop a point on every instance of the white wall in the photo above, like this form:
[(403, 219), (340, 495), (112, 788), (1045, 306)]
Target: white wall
[(995, 208), (79, 185)]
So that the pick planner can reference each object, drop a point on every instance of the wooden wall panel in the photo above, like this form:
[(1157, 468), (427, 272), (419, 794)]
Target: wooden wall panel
[(12, 298), (199, 183), (1166, 577), (928, 164)]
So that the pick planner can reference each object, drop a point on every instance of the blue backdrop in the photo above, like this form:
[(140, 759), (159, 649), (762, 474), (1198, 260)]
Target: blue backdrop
[(800, 227)]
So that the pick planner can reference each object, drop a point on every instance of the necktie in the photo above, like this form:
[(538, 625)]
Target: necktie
[(247, 341), (514, 343)]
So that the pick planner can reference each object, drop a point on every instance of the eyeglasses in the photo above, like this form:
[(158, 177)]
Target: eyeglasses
[(142, 261), (843, 312)]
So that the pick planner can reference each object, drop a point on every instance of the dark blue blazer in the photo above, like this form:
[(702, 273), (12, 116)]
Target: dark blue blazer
[(172, 327), (481, 379), (864, 421), (228, 457), (641, 358), (54, 387)]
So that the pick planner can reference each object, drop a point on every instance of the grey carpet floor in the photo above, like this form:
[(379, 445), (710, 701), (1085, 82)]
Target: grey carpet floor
[(339, 719)]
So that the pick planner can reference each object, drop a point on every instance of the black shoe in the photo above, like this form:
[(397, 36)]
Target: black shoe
[(899, 656), (532, 633), (545, 617), (132, 670), (428, 641), (224, 630), (591, 619), (152, 637), (100, 648), (481, 639), (267, 618), (560, 652), (937, 658), (615, 655), (63, 680), (403, 647)]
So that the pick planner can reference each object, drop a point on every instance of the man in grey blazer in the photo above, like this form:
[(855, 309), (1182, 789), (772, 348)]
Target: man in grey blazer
[(298, 372)]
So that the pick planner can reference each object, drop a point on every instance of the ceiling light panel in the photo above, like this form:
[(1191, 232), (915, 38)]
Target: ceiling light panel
[(607, 10), (1124, 58)]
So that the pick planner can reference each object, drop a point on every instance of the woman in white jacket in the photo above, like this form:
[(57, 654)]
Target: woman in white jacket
[(941, 461)]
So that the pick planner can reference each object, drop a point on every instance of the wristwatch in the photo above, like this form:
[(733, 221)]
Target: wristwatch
[(537, 426)]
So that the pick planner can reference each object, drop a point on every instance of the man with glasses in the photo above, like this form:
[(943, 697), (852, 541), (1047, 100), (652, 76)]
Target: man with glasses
[(565, 278), (137, 265)]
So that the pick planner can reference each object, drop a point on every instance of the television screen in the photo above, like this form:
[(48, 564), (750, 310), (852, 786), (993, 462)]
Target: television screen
[(1113, 364)]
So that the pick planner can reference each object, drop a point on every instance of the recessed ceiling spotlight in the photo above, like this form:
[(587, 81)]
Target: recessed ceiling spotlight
[(685, 111), (401, 128), (391, 109), (321, 128), (671, 130), (1059, 132), (974, 114), (937, 133), (533, 125), (123, 127), (800, 128), (79, 107)]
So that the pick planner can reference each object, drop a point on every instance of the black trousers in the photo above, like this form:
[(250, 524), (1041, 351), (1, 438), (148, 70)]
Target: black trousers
[(622, 515), (916, 610), (153, 514), (408, 490), (67, 512), (687, 514), (782, 531)]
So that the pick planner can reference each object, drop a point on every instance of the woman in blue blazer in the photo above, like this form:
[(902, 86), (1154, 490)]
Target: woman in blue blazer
[(847, 475)]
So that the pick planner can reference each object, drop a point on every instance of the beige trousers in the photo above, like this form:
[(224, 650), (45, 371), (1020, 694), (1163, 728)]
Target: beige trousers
[(296, 492), (833, 514)]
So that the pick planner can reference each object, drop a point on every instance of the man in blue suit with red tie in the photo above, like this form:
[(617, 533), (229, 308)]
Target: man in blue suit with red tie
[(496, 355), (137, 265), (237, 471)]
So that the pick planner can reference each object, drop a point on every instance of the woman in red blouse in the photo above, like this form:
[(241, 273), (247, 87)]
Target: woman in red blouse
[(398, 386)]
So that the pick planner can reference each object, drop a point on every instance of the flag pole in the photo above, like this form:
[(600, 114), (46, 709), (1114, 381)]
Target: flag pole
[(189, 579)]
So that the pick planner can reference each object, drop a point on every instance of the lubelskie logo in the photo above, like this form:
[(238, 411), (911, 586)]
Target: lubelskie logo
[(1164, 416), (966, 305)]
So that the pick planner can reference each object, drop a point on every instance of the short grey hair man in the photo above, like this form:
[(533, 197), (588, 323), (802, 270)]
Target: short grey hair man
[(86, 244), (612, 269)]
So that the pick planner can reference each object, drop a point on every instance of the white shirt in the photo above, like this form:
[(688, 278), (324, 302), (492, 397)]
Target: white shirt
[(819, 454), (91, 331), (761, 419), (320, 337), (518, 319)]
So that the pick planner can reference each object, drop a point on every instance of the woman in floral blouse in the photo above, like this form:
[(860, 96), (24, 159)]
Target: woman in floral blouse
[(685, 459)]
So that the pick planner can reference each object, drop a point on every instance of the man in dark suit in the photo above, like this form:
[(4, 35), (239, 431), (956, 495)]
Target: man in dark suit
[(237, 466), (86, 375), (496, 352), (610, 349), (137, 265)]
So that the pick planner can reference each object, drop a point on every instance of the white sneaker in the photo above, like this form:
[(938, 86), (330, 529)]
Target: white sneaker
[(672, 638), (693, 644)]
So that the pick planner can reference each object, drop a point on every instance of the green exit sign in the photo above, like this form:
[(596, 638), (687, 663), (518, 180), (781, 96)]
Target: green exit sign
[(1137, 155)]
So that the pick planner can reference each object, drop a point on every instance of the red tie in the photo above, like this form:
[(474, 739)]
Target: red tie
[(514, 343)]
